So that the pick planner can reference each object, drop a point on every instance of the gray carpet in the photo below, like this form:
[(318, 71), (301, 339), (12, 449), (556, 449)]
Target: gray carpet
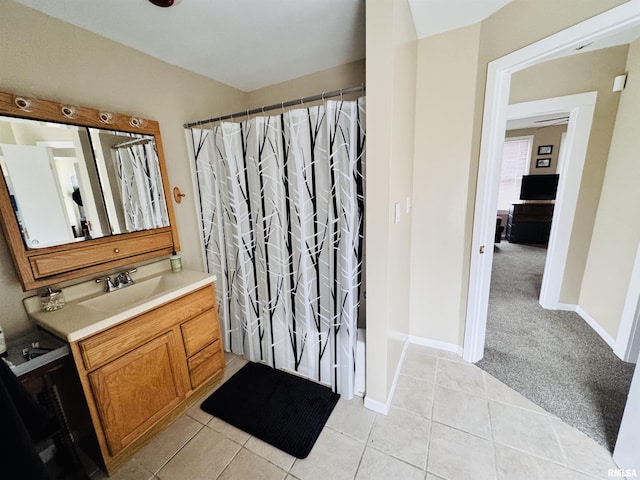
[(551, 357)]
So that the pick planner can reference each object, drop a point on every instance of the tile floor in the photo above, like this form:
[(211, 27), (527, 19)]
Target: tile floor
[(449, 420)]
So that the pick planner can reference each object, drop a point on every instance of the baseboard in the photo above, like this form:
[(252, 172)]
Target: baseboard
[(596, 327), (377, 406), (380, 407), (589, 321), (427, 342), (567, 307), (383, 408)]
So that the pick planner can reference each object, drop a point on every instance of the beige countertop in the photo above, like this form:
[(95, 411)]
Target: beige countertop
[(88, 312)]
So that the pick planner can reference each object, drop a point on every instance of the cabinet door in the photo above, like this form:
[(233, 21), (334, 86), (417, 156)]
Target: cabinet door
[(136, 390)]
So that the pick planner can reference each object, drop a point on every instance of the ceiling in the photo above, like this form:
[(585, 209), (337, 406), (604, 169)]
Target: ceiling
[(539, 121), (250, 44), (431, 17)]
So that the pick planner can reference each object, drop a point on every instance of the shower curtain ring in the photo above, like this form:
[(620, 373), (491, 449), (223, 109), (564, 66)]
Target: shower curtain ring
[(340, 94)]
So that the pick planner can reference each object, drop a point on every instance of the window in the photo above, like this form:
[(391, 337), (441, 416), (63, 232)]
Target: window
[(516, 156)]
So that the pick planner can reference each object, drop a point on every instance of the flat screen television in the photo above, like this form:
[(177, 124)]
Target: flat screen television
[(539, 187)]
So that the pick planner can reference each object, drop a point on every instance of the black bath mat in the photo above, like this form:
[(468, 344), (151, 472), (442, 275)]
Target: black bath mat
[(281, 409)]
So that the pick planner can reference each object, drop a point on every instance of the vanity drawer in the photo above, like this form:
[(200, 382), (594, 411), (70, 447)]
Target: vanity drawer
[(205, 364), (199, 332), (72, 259), (105, 346)]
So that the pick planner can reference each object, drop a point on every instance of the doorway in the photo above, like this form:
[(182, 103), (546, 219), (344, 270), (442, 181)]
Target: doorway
[(499, 74)]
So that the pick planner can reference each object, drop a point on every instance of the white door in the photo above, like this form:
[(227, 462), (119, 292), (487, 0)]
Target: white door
[(41, 208)]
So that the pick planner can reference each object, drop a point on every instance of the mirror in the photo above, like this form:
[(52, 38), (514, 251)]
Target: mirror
[(82, 191), (70, 183)]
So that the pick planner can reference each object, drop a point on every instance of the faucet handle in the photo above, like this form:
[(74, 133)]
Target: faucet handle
[(108, 284), (124, 278)]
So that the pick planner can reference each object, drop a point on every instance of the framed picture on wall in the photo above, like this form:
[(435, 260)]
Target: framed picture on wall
[(543, 162), (545, 149)]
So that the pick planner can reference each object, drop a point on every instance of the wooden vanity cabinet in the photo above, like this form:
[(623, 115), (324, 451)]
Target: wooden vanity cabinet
[(140, 374)]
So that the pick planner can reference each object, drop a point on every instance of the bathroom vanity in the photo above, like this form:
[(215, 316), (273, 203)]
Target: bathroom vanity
[(141, 353), (84, 195)]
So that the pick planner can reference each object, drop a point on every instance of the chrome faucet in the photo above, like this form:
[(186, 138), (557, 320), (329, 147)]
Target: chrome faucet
[(123, 279), (108, 284)]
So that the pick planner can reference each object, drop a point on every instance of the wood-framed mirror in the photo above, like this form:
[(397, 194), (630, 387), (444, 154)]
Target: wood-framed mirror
[(83, 190)]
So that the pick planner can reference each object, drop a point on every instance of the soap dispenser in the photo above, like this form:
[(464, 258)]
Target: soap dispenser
[(176, 262), (52, 300)]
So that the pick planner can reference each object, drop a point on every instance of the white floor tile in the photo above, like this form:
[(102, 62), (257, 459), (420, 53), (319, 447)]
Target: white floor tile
[(351, 418), (204, 457), (460, 376), (463, 411), (525, 430), (334, 456), (517, 465), (165, 445), (458, 443), (376, 465), (455, 454), (247, 465), (402, 434), (270, 453), (414, 395)]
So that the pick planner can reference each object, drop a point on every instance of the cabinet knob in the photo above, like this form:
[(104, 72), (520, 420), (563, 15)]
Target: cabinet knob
[(116, 250)]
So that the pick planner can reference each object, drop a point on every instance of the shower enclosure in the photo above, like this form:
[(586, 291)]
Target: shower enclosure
[(282, 204)]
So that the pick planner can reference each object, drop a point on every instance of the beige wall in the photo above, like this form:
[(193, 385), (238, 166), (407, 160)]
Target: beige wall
[(550, 135), (445, 96), (593, 71), (46, 58), (391, 74), (345, 76), (616, 234)]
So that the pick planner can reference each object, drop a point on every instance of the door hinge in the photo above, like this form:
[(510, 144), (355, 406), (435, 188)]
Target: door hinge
[(481, 249)]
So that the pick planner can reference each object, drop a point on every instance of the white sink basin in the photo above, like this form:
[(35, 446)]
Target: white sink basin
[(88, 313), (126, 297)]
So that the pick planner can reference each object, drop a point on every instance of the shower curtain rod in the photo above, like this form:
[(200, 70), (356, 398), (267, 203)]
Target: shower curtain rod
[(290, 103), (137, 141)]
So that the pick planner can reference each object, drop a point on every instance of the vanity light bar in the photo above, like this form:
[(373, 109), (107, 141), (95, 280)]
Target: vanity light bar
[(13, 104), (69, 111), (24, 103)]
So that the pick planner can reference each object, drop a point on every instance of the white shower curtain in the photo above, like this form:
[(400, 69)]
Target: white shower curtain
[(141, 187), (282, 203)]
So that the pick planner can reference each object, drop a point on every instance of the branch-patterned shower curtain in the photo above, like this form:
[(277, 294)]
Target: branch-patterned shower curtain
[(141, 187), (282, 203)]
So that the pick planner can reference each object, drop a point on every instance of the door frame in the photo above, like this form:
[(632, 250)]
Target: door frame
[(494, 125), (580, 108)]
